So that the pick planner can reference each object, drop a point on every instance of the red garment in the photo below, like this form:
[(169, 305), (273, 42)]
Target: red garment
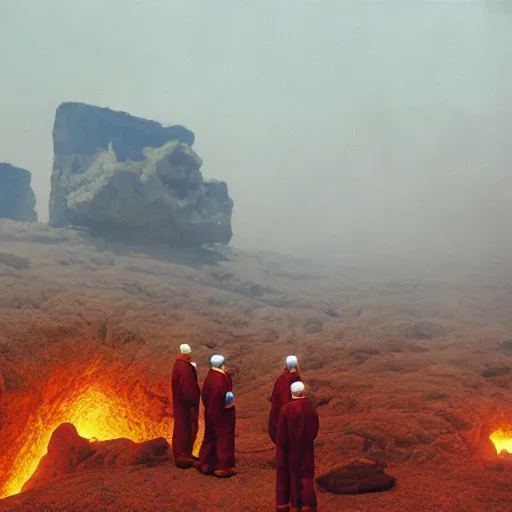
[(194, 421), (218, 447), (185, 403), (295, 455), (281, 395)]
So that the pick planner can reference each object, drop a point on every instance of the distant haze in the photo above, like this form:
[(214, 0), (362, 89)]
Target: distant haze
[(345, 129)]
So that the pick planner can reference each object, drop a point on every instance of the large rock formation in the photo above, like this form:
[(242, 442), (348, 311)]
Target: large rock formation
[(68, 452), (17, 199), (132, 178)]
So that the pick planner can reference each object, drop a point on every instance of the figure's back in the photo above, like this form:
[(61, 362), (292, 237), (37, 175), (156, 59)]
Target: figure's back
[(302, 423), (215, 386)]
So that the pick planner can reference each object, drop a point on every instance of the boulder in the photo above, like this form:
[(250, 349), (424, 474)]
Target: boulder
[(133, 179), (17, 199), (124, 452), (68, 452), (356, 476)]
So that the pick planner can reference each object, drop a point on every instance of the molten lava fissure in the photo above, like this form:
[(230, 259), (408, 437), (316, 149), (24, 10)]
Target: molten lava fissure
[(97, 412), (502, 440)]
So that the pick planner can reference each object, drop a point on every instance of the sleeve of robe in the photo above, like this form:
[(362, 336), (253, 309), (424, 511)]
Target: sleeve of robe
[(190, 393), (297, 427)]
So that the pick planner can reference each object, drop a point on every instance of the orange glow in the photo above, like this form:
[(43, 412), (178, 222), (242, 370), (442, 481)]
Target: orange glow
[(502, 440), (96, 413)]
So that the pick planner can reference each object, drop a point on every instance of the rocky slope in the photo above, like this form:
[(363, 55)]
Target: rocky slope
[(17, 199), (408, 368), (134, 179)]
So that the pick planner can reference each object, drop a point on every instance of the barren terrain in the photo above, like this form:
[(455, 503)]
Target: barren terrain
[(412, 368)]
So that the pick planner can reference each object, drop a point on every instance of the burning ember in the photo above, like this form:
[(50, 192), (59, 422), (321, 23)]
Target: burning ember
[(502, 440), (98, 410)]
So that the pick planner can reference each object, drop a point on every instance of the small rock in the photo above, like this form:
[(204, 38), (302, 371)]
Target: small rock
[(496, 371), (313, 326), (333, 312), (506, 346), (356, 476), (424, 331)]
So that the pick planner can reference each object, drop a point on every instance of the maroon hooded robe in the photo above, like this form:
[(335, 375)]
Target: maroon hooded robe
[(218, 448), (281, 395), (185, 402), (295, 458)]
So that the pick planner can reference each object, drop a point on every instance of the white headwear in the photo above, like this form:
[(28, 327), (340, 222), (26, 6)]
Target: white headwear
[(297, 387), (185, 349), (217, 360), (291, 362)]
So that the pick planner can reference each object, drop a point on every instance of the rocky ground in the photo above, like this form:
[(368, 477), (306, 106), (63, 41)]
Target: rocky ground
[(412, 368)]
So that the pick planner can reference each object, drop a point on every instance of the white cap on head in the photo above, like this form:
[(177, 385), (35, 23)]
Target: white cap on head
[(297, 387), (291, 362), (217, 360), (185, 349)]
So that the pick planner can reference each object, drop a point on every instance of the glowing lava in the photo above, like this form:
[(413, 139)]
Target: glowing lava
[(502, 440), (96, 414)]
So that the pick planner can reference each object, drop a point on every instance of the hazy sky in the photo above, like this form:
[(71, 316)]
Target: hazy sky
[(342, 127)]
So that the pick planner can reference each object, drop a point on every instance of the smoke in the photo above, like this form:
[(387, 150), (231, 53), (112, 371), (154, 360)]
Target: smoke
[(353, 131)]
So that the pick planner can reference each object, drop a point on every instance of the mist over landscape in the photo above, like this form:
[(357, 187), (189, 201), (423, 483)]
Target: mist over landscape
[(346, 131), (328, 180)]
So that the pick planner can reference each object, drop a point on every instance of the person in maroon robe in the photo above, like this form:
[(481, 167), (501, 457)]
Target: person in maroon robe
[(217, 453), (185, 403), (281, 394), (295, 458)]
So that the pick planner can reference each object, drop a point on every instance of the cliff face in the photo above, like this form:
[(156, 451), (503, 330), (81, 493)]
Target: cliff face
[(128, 177), (17, 199)]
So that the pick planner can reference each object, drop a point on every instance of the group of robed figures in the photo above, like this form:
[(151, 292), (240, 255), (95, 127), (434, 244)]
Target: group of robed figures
[(292, 426)]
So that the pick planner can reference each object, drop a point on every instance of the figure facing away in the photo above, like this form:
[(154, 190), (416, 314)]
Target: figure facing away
[(185, 402), (295, 458), (217, 454), (281, 393)]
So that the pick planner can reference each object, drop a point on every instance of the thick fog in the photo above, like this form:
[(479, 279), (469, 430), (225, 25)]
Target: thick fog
[(345, 129)]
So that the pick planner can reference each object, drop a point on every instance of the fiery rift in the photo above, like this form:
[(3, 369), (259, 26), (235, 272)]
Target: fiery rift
[(104, 397), (104, 401), (502, 440)]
